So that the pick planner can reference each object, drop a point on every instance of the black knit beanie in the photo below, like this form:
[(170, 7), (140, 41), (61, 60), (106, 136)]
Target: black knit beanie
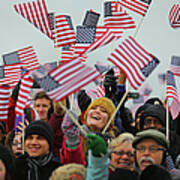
[(140, 109), (157, 111), (8, 160), (41, 128)]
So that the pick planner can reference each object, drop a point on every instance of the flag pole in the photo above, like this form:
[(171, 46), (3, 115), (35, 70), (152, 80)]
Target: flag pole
[(167, 121), (55, 40), (117, 108), (138, 27), (23, 149), (166, 105)]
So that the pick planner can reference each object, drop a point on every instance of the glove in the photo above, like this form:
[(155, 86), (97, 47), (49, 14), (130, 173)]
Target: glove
[(96, 144), (83, 100), (70, 130), (16, 91), (110, 83)]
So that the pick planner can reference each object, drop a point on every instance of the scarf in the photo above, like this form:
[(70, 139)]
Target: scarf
[(34, 164)]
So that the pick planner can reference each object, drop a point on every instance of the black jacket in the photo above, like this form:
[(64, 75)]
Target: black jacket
[(43, 172)]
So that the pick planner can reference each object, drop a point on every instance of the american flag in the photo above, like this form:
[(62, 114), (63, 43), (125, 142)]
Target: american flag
[(4, 102), (175, 65), (24, 94), (117, 18), (145, 90), (138, 6), (171, 89), (92, 93), (85, 36), (134, 61), (162, 78), (174, 16), (91, 18), (102, 67), (26, 57), (67, 54), (10, 74), (36, 12), (66, 79), (109, 36), (100, 91), (62, 30), (175, 108), (89, 38), (50, 66)]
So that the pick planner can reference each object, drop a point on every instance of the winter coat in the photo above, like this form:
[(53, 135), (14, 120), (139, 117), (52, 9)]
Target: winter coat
[(68, 155), (43, 173), (55, 123)]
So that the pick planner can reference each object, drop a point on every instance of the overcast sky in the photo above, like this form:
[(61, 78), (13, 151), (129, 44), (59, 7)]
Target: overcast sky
[(155, 33)]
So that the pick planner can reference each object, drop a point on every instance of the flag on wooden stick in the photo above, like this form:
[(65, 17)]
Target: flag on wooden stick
[(134, 61), (36, 12), (66, 79), (175, 65), (4, 102)]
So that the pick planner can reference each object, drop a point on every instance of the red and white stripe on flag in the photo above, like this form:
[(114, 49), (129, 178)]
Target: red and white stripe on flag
[(174, 16), (12, 75), (28, 58), (71, 76), (100, 91), (130, 57), (23, 96), (63, 35), (4, 102), (137, 6), (36, 13)]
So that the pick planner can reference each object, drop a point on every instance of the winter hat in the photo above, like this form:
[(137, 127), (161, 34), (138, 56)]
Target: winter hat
[(155, 172), (157, 111), (41, 128), (120, 173), (140, 109), (8, 160), (156, 135), (105, 103), (154, 101)]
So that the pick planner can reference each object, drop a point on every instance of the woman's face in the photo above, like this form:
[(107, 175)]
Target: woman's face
[(2, 171), (97, 118), (123, 156), (17, 145)]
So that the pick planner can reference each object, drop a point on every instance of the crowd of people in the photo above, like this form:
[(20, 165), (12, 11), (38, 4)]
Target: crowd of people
[(56, 143)]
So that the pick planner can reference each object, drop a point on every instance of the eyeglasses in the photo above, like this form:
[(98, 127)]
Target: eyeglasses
[(151, 149), (121, 153)]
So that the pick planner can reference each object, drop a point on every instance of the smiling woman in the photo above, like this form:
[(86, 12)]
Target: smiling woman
[(98, 114)]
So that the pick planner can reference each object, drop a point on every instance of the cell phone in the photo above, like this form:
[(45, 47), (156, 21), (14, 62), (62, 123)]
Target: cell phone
[(133, 95)]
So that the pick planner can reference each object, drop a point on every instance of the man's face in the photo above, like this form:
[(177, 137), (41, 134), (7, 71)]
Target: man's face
[(42, 106), (123, 156), (148, 152), (152, 123), (36, 146)]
